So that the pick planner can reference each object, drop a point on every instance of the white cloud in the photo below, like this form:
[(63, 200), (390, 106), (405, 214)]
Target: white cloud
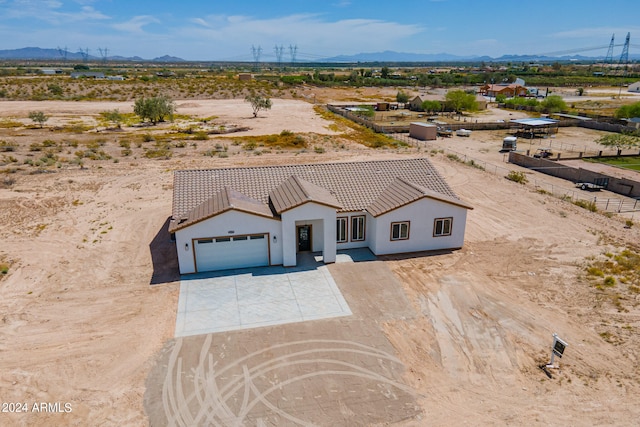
[(310, 32), (135, 24)]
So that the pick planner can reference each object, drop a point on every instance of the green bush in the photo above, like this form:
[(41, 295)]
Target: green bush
[(518, 177), (586, 204)]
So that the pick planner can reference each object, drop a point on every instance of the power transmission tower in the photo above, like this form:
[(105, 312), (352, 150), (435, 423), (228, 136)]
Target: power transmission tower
[(256, 52), (279, 50), (624, 60), (293, 50), (104, 53), (624, 57), (63, 53), (609, 58), (85, 54)]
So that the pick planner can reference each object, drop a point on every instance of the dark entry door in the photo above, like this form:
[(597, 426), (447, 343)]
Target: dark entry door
[(304, 238)]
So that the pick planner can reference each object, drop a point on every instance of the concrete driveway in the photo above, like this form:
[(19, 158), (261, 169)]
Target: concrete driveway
[(255, 297)]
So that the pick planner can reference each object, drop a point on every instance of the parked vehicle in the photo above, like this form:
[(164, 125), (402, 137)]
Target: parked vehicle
[(543, 153), (509, 143), (463, 132), (597, 185), (445, 133)]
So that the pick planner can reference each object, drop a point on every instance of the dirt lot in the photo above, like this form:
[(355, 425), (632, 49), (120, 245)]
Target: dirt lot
[(82, 325)]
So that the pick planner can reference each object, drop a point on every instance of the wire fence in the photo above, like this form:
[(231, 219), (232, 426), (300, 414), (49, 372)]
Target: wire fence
[(605, 204)]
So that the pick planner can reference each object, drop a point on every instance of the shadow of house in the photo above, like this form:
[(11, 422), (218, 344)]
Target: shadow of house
[(164, 257)]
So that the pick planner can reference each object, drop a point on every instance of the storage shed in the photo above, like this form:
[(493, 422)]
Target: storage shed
[(423, 131)]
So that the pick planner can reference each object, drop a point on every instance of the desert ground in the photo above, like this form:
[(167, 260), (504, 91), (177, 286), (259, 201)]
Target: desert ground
[(89, 299)]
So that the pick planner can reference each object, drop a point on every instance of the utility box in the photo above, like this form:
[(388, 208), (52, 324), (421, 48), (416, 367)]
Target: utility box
[(509, 143), (423, 131)]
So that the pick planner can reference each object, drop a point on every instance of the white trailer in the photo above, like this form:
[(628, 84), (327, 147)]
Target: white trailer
[(463, 132), (509, 143)]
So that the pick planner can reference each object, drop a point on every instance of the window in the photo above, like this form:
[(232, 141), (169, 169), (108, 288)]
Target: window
[(442, 227), (357, 228), (400, 230), (341, 230)]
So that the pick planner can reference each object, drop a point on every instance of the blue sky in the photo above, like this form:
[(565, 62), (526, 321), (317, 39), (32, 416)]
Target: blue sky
[(227, 30)]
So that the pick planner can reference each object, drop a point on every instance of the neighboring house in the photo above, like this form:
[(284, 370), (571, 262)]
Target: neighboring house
[(258, 216), (87, 74), (634, 87), (416, 103), (509, 91)]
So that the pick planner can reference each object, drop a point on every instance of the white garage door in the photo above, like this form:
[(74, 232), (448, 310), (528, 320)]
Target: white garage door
[(223, 253)]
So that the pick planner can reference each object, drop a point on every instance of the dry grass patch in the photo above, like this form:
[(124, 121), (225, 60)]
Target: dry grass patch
[(617, 276), (285, 139)]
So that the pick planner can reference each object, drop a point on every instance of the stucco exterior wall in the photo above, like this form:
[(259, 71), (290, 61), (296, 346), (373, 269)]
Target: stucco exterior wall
[(421, 214), (324, 218), (368, 226), (238, 222)]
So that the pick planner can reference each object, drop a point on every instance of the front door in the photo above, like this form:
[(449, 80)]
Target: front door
[(304, 238)]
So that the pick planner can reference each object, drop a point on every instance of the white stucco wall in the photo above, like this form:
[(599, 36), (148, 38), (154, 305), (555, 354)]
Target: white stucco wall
[(421, 214), (323, 220), (238, 222), (367, 230)]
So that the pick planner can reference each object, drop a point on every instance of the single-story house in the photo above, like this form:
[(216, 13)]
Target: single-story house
[(634, 87), (510, 91), (87, 75), (416, 103), (258, 216)]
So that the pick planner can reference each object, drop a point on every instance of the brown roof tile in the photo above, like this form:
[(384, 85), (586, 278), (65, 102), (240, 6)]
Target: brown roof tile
[(402, 192), (296, 191), (354, 185), (222, 201)]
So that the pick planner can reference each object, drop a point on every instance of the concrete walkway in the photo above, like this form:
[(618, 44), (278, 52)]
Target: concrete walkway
[(255, 297)]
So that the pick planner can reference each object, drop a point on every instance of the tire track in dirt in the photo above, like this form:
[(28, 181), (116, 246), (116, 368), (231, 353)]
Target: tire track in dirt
[(213, 392)]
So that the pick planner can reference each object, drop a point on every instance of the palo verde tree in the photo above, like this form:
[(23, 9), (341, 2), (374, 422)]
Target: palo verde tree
[(459, 101), (431, 106), (628, 111), (258, 102), (156, 108), (553, 104), (402, 97), (619, 140), (38, 117), (113, 116)]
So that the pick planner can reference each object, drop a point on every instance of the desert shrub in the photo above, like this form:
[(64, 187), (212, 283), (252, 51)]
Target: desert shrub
[(609, 281), (201, 136), (517, 176), (589, 205), (319, 150), (7, 146)]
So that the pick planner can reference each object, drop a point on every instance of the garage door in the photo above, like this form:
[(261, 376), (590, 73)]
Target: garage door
[(223, 253)]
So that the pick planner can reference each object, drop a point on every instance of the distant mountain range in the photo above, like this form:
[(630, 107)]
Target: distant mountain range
[(391, 56), (36, 53)]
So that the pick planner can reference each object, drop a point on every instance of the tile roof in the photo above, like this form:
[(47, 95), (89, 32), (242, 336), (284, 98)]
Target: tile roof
[(401, 192), (222, 201), (354, 185), (296, 191)]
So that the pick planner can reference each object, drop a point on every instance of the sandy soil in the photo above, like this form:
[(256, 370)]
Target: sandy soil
[(90, 297)]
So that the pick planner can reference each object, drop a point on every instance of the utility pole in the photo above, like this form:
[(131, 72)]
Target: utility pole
[(279, 50)]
